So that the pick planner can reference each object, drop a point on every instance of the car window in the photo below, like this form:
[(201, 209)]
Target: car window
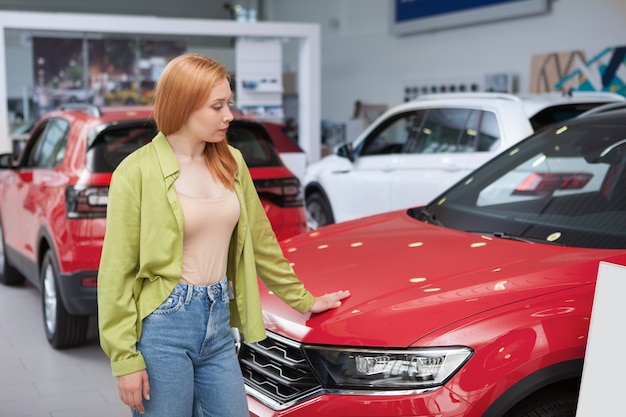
[(453, 130), (441, 131), (391, 136), (116, 142), (560, 113), (49, 148), (488, 133), (254, 143)]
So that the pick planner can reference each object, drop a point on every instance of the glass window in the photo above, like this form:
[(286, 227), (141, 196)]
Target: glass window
[(254, 143), (489, 133), (116, 142), (392, 136), (468, 136), (49, 149), (446, 130)]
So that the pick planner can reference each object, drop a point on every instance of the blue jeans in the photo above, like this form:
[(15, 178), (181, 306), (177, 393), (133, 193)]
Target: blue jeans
[(190, 356)]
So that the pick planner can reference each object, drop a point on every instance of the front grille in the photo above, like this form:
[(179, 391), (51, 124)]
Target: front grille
[(276, 369)]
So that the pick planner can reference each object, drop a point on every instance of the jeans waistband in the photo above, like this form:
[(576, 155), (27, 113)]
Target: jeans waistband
[(217, 291)]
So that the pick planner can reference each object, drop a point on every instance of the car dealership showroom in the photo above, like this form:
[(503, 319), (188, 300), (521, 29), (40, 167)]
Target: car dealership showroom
[(423, 208)]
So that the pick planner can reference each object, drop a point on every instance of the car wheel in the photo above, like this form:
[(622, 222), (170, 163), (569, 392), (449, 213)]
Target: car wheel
[(553, 403), (63, 329), (8, 274), (318, 211)]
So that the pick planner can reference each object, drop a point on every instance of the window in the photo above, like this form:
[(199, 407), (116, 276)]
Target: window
[(489, 132), (446, 130), (254, 143), (116, 142), (49, 148), (392, 136)]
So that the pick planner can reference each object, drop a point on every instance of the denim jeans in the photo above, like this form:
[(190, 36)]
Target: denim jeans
[(190, 356)]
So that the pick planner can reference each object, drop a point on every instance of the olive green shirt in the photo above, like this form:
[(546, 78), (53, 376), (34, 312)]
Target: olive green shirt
[(141, 259)]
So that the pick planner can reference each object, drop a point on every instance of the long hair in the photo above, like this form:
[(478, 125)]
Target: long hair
[(183, 87)]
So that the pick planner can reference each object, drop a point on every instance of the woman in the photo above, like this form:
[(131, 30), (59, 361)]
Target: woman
[(186, 237)]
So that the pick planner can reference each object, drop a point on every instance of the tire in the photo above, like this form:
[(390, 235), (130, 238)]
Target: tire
[(551, 403), (63, 330), (8, 274), (318, 211)]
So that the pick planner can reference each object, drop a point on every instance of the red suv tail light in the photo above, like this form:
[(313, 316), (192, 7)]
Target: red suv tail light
[(284, 192), (86, 201)]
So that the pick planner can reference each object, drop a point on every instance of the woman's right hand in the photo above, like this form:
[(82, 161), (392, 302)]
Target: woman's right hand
[(133, 388)]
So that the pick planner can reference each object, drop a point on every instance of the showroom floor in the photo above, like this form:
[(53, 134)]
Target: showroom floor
[(38, 381)]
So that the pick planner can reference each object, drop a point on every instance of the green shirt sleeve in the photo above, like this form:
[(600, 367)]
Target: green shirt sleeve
[(271, 265), (117, 310)]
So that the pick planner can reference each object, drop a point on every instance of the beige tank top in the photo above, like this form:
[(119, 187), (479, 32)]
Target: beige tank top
[(208, 226)]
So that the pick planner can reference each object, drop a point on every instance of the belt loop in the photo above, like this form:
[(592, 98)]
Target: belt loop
[(189, 294)]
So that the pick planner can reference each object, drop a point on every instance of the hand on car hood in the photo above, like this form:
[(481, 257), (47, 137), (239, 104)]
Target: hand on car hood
[(404, 274)]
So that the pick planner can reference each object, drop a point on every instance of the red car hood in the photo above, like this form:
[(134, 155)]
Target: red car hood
[(408, 279)]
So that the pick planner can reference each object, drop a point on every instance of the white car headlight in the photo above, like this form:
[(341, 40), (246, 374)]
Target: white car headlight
[(386, 369)]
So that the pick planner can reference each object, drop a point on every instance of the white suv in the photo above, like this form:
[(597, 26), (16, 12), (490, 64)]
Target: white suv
[(416, 150)]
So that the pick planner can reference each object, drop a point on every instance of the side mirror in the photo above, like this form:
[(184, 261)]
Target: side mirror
[(6, 160), (346, 151)]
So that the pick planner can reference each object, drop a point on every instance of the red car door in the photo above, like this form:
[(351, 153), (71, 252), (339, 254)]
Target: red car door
[(27, 187)]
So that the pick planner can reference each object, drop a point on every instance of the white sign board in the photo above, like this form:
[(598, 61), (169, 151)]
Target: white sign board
[(602, 387)]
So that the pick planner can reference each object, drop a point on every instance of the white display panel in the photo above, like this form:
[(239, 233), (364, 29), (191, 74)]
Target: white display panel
[(602, 384)]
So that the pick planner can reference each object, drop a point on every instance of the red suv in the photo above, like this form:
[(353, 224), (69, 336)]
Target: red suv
[(477, 304), (53, 201)]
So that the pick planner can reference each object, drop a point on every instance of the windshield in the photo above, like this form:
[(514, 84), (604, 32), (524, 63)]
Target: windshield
[(565, 185)]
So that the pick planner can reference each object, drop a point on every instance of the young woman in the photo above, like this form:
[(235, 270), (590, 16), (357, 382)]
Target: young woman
[(186, 237)]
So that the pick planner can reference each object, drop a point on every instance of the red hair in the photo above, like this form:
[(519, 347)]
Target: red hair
[(184, 85)]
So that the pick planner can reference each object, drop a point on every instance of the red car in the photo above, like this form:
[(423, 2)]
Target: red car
[(477, 304), (53, 203)]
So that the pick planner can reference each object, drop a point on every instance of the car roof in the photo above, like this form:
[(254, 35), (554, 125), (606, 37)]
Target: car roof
[(103, 113), (531, 103)]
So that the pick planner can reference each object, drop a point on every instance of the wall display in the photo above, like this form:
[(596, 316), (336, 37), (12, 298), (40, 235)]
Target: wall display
[(259, 81), (98, 71), (413, 16), (548, 69), (572, 70)]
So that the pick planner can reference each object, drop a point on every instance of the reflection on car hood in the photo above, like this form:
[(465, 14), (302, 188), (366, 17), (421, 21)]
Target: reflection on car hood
[(408, 278)]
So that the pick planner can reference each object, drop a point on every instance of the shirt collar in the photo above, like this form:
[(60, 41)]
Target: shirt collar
[(167, 160)]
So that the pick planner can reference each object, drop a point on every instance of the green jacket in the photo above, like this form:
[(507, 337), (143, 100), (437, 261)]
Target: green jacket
[(141, 259)]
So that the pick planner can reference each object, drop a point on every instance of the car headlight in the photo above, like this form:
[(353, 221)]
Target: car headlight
[(386, 369)]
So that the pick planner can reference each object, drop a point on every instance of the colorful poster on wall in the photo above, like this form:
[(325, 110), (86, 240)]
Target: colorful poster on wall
[(565, 71)]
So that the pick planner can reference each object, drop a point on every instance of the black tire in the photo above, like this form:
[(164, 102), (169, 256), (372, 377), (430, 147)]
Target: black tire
[(8, 274), (63, 330), (551, 403), (318, 211)]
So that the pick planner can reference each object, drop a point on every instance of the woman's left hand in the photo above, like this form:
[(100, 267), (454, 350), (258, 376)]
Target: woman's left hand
[(328, 301)]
